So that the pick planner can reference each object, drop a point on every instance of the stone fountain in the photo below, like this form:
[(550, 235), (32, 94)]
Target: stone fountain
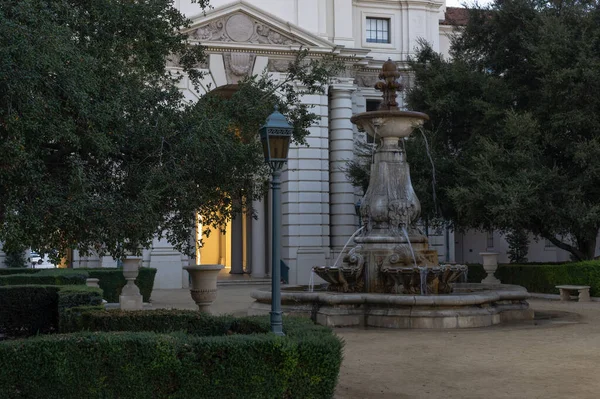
[(390, 277)]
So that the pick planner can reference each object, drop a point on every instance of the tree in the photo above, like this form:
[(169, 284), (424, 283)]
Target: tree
[(518, 246), (515, 122), (15, 258), (100, 150)]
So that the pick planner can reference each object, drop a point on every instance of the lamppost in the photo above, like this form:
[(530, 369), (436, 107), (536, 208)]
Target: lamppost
[(275, 136)]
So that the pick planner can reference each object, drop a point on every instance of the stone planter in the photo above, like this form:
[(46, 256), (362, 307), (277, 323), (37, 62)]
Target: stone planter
[(130, 298), (204, 284), (490, 264)]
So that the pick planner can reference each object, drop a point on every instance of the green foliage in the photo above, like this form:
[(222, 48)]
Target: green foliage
[(31, 309), (543, 278), (518, 246), (27, 310), (514, 126), (220, 357), (17, 270), (475, 273), (100, 150), (46, 277), (111, 281), (14, 259)]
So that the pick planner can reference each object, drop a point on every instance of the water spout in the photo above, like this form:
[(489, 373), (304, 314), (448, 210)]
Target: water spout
[(347, 242), (433, 182), (311, 281), (409, 245)]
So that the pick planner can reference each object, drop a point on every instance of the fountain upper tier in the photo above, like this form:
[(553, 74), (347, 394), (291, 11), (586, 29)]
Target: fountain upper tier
[(391, 255), (393, 123), (388, 120)]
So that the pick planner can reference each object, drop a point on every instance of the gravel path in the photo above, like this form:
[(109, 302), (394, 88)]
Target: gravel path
[(556, 356)]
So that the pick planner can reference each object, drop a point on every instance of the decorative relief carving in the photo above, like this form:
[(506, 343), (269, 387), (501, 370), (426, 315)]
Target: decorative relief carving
[(173, 60), (238, 66), (278, 65), (367, 80), (240, 28)]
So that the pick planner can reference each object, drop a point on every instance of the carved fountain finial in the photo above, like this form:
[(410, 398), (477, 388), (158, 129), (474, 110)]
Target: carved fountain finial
[(390, 85)]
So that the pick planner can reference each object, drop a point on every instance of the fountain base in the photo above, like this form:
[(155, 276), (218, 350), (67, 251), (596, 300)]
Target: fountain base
[(470, 305)]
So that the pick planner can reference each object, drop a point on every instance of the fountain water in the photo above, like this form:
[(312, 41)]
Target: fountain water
[(390, 277)]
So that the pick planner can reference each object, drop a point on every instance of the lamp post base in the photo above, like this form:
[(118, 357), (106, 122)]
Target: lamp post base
[(277, 323)]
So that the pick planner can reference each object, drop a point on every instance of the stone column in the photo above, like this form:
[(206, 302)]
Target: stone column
[(259, 262), (341, 150), (237, 245)]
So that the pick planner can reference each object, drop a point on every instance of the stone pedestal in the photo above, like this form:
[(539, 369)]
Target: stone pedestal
[(204, 284), (490, 264), (130, 298), (92, 282)]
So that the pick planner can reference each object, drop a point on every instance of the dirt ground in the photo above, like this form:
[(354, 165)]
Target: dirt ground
[(556, 356)]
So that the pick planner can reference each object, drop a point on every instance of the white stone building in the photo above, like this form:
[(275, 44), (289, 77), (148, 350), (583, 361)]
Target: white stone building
[(318, 203)]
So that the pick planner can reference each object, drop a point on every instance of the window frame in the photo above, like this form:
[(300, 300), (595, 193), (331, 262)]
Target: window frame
[(391, 18), (385, 28)]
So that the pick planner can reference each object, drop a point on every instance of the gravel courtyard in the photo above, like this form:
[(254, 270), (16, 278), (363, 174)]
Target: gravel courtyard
[(556, 356)]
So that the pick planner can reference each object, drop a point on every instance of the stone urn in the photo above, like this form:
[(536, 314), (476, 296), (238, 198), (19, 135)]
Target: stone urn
[(490, 264), (130, 298), (204, 284)]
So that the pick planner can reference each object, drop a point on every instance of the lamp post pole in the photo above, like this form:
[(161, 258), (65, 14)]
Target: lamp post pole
[(276, 319), (275, 136)]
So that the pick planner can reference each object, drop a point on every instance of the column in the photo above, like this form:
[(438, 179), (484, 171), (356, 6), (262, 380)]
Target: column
[(237, 245), (258, 242), (341, 147)]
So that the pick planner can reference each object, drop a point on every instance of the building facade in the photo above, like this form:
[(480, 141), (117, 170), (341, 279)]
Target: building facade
[(248, 37)]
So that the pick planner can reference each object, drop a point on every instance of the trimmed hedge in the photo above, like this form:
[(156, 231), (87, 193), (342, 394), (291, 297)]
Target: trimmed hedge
[(111, 279), (543, 278), (46, 277), (31, 309), (112, 282), (220, 357)]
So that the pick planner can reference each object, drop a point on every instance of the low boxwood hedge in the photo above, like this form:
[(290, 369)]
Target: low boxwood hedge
[(31, 309), (112, 282), (111, 279), (47, 277), (543, 278), (217, 357)]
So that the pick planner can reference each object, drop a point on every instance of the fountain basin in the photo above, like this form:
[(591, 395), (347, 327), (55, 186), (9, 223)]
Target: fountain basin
[(470, 305), (389, 123)]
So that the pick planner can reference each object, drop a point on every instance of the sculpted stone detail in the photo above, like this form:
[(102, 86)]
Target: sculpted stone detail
[(347, 277), (278, 65), (366, 80), (238, 66), (241, 28), (173, 61)]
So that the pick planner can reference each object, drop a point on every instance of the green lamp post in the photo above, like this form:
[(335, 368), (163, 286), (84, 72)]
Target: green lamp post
[(275, 136)]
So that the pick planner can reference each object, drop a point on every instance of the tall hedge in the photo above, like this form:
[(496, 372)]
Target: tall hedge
[(543, 278), (33, 309)]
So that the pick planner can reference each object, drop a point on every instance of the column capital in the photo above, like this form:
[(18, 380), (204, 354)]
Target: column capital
[(343, 84)]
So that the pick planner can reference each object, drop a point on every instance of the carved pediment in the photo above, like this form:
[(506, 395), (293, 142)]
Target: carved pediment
[(242, 28)]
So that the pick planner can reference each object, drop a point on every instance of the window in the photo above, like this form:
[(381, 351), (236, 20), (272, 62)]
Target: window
[(378, 30), (490, 239), (548, 244)]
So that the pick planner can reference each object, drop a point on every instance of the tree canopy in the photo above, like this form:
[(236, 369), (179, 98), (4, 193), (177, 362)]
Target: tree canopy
[(515, 122), (100, 151)]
